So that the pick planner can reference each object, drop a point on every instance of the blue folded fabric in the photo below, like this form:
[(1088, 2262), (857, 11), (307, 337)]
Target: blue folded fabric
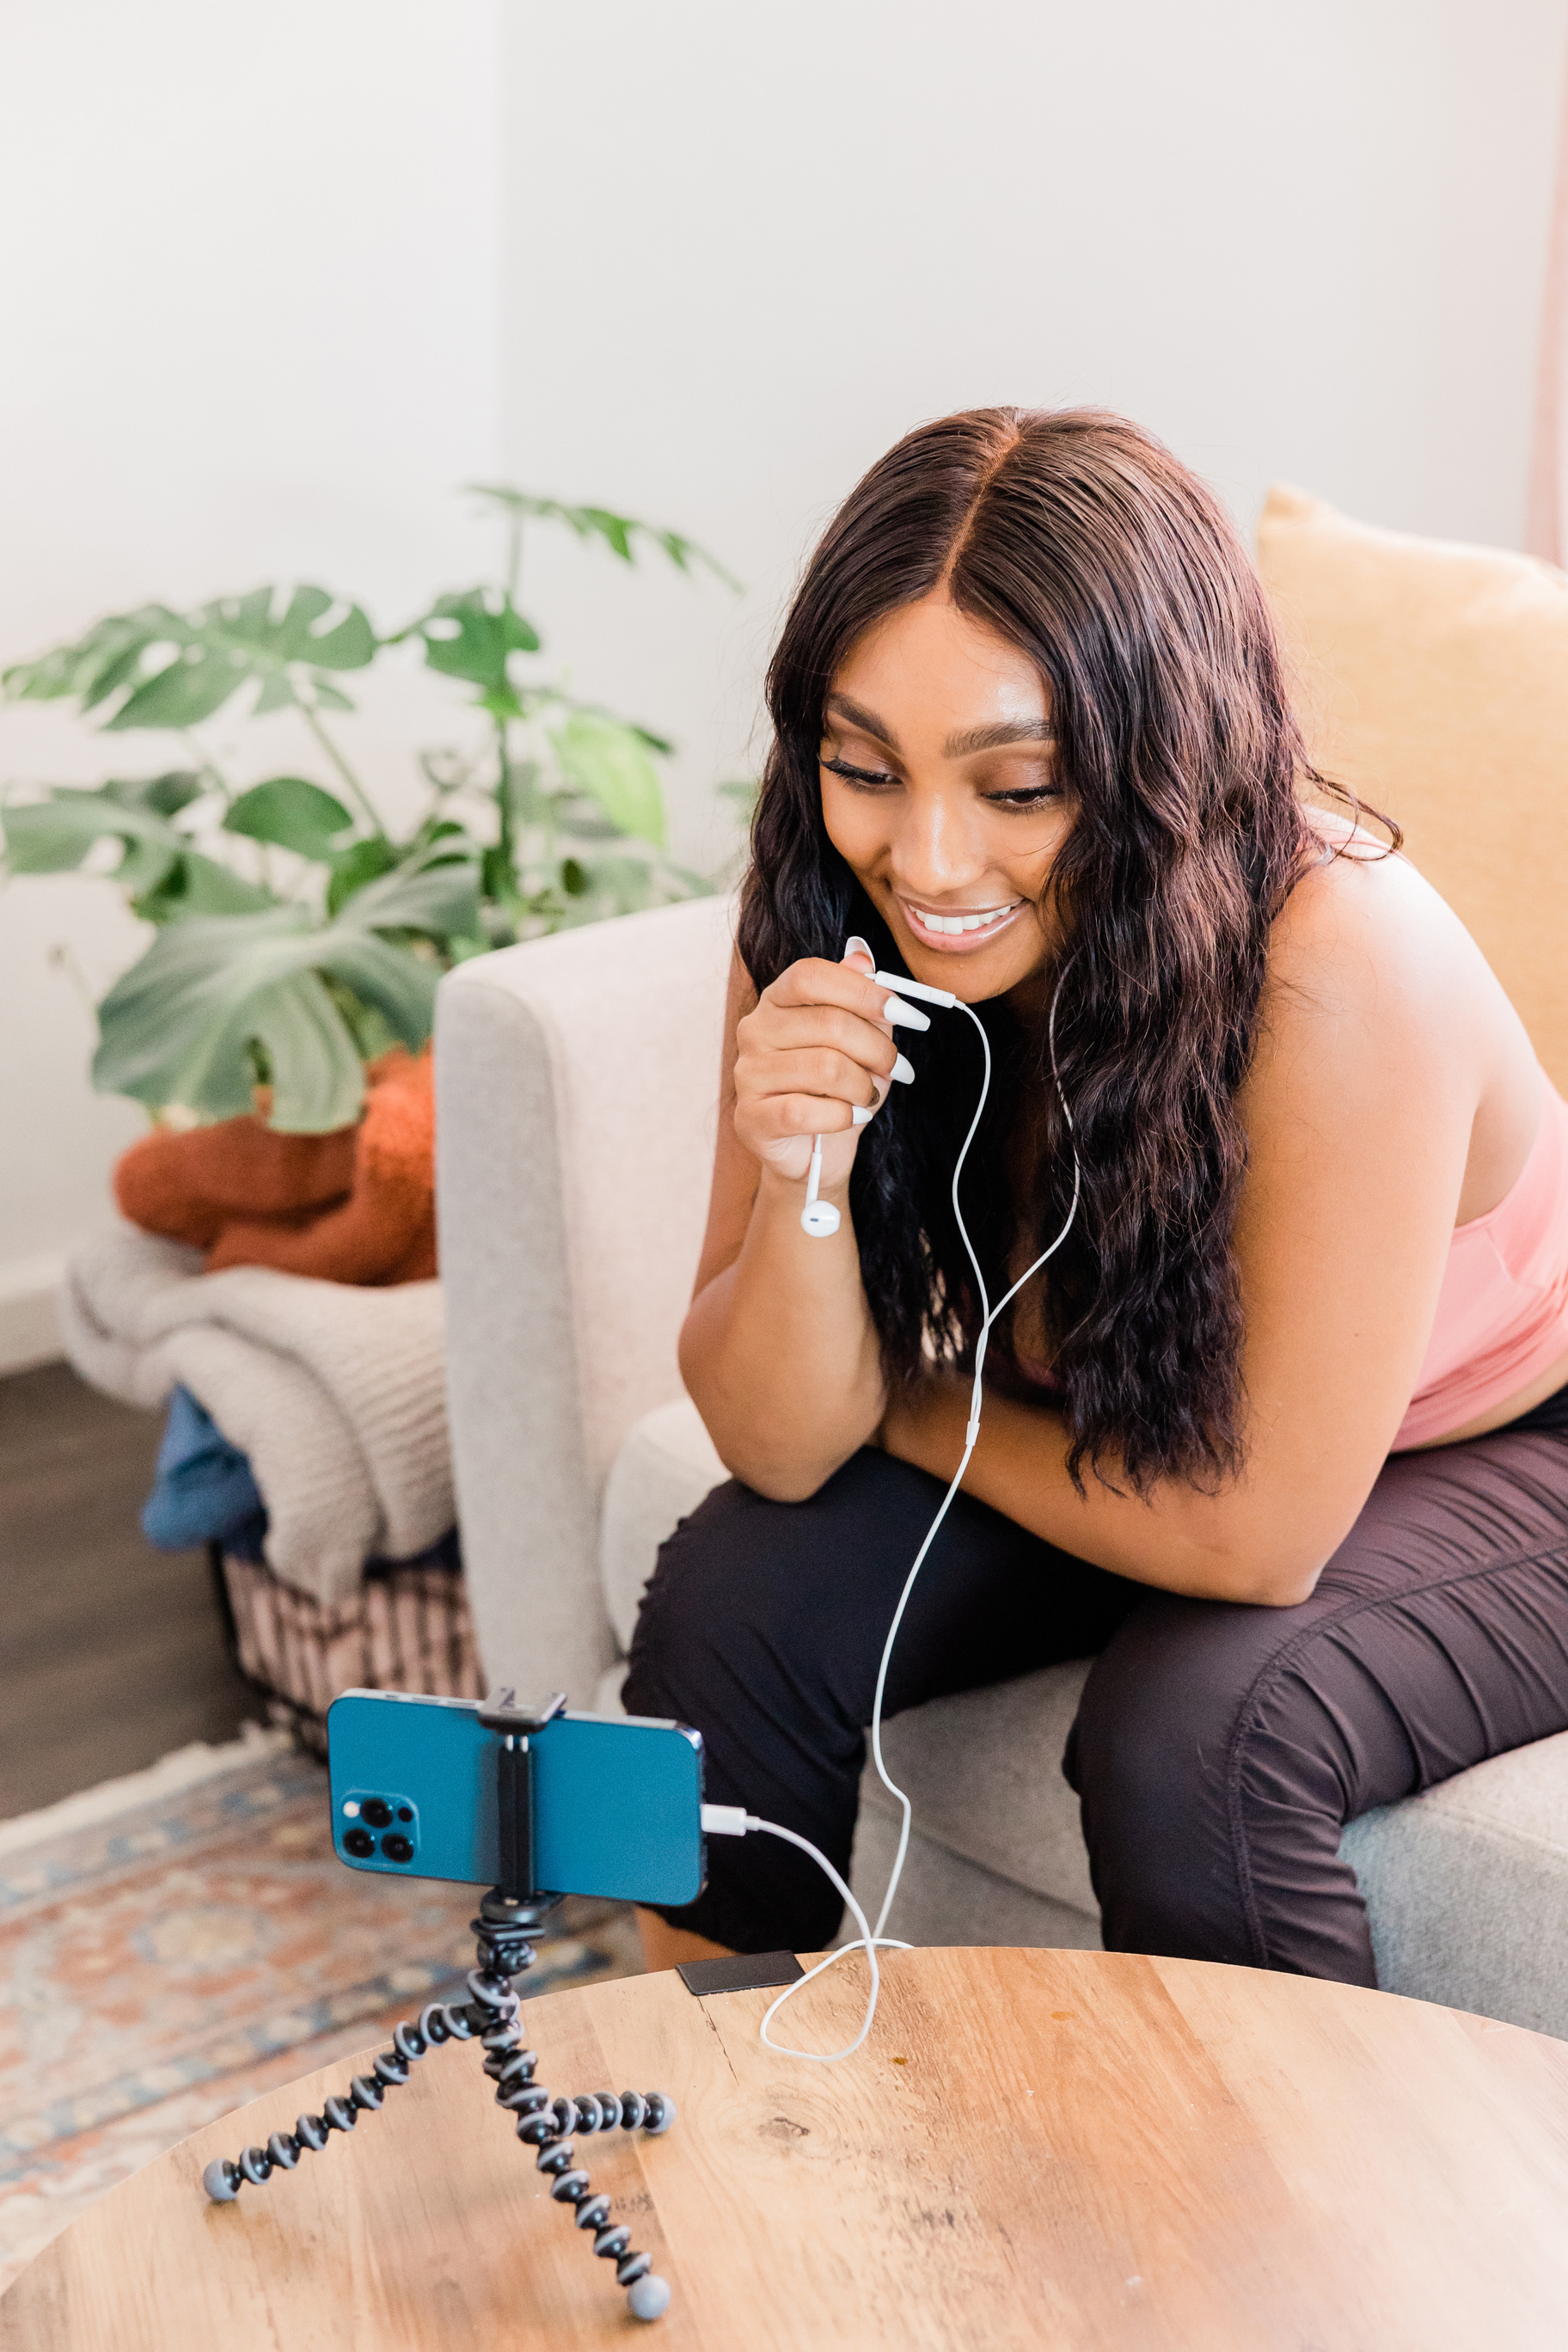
[(203, 1491)]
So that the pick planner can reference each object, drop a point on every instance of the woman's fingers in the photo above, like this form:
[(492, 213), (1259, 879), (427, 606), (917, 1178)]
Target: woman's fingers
[(816, 1056), (814, 980), (781, 1029), (805, 1070), (785, 1116)]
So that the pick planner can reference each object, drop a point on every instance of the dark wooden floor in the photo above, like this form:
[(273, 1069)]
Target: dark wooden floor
[(110, 1652)]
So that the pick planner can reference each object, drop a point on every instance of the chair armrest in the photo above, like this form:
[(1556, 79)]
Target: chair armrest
[(576, 1082)]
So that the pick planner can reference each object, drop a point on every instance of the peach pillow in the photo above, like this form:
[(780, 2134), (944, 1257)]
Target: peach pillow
[(1433, 680)]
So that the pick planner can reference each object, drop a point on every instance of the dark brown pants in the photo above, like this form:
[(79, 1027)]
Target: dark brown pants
[(1219, 1748)]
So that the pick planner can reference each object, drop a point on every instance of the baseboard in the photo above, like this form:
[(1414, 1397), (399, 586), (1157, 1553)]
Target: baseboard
[(30, 1321)]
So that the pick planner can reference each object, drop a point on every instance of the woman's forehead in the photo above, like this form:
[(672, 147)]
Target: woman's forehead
[(934, 669)]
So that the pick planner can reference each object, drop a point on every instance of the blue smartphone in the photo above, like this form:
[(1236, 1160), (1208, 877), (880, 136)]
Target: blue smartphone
[(617, 1801)]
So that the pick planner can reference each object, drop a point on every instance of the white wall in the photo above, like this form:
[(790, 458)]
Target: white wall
[(250, 312), (273, 283), (750, 246)]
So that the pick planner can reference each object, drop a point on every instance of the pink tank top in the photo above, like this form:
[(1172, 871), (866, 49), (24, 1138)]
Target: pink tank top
[(1503, 1312)]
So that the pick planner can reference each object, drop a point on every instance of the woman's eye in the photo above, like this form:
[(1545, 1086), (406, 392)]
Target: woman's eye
[(875, 777), (1030, 796)]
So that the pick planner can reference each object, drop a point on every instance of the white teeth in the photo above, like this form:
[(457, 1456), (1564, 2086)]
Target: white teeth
[(957, 923)]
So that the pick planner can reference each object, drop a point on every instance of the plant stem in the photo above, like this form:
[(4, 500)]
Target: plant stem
[(513, 555), (313, 721), (551, 845), (63, 957), (209, 767), (505, 836)]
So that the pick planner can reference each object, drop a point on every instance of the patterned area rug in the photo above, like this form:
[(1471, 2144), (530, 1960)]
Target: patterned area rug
[(176, 1943)]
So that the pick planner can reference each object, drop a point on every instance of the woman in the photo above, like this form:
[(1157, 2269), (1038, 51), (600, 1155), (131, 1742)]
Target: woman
[(1282, 1435)]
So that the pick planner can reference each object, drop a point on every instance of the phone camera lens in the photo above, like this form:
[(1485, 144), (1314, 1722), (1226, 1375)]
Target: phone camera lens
[(406, 1813), (359, 1842), (377, 1811), (397, 1848)]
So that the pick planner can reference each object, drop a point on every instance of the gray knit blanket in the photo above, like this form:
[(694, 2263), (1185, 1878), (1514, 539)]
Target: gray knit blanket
[(337, 1394)]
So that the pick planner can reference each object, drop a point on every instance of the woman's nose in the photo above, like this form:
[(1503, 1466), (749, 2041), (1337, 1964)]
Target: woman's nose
[(936, 848)]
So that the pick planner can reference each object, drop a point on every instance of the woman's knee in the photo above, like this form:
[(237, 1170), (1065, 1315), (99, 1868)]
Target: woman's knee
[(738, 1636), (733, 1574), (1213, 1789), (749, 1605), (794, 1594), (1147, 1757)]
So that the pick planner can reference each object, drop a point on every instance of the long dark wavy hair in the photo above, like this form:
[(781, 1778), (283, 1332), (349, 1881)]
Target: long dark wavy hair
[(1082, 542)]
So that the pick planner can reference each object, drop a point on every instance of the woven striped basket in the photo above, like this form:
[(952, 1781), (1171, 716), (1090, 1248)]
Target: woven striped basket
[(408, 1629)]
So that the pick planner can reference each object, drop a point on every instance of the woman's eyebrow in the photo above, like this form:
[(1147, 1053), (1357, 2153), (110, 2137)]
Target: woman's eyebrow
[(858, 716), (992, 739)]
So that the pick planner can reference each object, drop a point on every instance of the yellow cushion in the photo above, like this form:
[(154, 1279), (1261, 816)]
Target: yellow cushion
[(1432, 679)]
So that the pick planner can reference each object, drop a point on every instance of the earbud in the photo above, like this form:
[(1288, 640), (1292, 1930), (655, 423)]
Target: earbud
[(942, 996), (818, 1218)]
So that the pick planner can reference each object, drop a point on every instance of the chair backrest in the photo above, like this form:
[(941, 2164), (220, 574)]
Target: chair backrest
[(1433, 679), (577, 1083)]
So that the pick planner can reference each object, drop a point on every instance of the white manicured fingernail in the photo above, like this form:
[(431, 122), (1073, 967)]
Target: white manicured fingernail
[(855, 945), (900, 1016), (858, 1118), (904, 1071)]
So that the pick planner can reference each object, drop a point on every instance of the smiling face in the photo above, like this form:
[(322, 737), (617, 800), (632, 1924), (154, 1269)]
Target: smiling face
[(939, 791)]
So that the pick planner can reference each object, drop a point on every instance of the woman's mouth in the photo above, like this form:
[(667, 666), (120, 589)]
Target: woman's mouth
[(961, 929)]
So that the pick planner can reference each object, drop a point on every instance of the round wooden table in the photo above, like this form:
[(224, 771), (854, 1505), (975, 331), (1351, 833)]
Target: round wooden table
[(1036, 2149)]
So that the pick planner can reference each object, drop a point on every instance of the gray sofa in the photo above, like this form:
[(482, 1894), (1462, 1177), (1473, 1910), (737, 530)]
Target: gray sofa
[(577, 1084)]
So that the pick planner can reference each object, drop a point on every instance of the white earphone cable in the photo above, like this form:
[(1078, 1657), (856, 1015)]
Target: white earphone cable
[(870, 1939)]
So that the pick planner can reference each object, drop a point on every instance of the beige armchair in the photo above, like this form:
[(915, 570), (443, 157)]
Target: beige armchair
[(577, 1079)]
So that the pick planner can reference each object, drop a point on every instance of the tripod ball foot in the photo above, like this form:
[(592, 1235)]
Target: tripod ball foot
[(648, 2297), (216, 2180)]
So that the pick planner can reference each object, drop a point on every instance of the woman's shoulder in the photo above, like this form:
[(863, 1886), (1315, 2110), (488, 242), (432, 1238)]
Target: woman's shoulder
[(1365, 947), (1381, 1022)]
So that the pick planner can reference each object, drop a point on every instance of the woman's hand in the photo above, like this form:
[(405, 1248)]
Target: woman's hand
[(779, 1351), (815, 1058)]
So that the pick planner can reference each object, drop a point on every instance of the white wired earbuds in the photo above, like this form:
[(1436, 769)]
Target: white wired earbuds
[(820, 1218)]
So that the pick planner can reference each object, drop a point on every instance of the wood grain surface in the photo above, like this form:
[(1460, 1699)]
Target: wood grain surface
[(1036, 2149)]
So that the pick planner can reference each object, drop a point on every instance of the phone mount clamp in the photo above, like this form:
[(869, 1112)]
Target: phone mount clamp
[(510, 1918)]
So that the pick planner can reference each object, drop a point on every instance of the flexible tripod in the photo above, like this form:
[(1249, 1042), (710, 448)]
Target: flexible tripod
[(507, 1925)]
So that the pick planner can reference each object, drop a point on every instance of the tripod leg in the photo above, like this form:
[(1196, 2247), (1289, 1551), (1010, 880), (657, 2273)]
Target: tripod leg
[(438, 2023), (544, 2123)]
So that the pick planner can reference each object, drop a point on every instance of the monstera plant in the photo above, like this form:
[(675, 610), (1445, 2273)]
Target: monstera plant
[(298, 935)]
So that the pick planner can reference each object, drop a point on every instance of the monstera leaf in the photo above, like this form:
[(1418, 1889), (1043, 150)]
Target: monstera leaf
[(290, 812), (610, 763), (435, 894), (302, 980), (165, 873), (54, 836), (180, 667), (182, 1024), (167, 795), (472, 637)]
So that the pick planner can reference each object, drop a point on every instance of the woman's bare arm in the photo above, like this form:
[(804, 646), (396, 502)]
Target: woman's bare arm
[(778, 1350)]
